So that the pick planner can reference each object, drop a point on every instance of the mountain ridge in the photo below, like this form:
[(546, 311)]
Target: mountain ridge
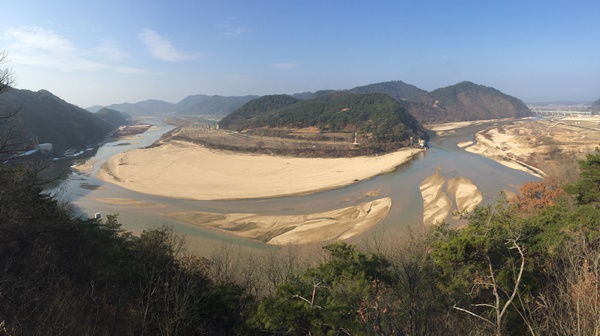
[(463, 101)]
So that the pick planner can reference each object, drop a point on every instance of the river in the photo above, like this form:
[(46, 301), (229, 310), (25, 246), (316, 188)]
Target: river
[(84, 190)]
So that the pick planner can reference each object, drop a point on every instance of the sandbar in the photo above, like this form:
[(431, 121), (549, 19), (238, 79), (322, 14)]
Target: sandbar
[(334, 225), (181, 169), (128, 202), (460, 195)]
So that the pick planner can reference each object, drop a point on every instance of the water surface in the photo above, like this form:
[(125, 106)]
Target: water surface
[(402, 185)]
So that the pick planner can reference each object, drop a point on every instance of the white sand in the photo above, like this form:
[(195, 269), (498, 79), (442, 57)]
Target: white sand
[(466, 194), (331, 225), (499, 146), (183, 170), (437, 203)]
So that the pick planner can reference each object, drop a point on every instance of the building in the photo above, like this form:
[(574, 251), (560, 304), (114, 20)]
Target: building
[(45, 148)]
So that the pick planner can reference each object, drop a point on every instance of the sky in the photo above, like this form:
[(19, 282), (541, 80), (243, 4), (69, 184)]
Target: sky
[(115, 51)]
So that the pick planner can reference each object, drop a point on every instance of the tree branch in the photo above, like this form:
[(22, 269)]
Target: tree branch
[(473, 314)]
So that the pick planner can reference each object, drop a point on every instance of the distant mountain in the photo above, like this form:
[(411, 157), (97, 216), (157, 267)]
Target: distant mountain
[(310, 95), (596, 106), (460, 102), (191, 105), (397, 89), (467, 101), (210, 105), (151, 107), (94, 108), (113, 117), (378, 116), (47, 118)]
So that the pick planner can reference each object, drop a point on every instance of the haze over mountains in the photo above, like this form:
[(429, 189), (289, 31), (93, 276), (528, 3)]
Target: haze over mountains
[(459, 102), (191, 105), (596, 105)]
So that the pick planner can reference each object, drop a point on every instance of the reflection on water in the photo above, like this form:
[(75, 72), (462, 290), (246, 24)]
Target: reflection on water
[(84, 189)]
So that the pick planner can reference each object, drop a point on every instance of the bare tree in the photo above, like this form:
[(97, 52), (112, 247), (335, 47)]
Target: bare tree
[(11, 136), (6, 74), (570, 305)]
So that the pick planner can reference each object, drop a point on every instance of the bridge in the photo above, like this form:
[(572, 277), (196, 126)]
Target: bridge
[(557, 113)]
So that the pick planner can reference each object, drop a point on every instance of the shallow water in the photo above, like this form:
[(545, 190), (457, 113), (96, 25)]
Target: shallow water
[(402, 185)]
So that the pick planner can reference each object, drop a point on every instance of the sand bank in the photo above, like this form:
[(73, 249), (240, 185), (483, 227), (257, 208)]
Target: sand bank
[(84, 166), (331, 225), (183, 170), (444, 128), (461, 195), (128, 202), (546, 147), (503, 148)]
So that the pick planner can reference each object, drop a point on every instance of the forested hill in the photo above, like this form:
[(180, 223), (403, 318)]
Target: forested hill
[(460, 102), (467, 101), (376, 115), (48, 118), (397, 89), (113, 117), (252, 113)]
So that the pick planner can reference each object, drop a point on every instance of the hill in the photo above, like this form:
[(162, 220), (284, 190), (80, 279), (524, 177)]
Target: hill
[(460, 102), (47, 118), (468, 101), (248, 114), (210, 105), (378, 117), (596, 106), (191, 105), (113, 117), (94, 108), (397, 89), (151, 107)]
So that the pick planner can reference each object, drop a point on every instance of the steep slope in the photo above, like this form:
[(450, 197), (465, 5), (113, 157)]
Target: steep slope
[(210, 105), (48, 118), (466, 101), (397, 89), (378, 116)]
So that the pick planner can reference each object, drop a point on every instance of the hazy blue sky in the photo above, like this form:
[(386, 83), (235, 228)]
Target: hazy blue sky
[(114, 51)]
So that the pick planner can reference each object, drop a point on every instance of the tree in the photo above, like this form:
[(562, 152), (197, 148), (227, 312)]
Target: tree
[(488, 261), (11, 138), (587, 189), (329, 299)]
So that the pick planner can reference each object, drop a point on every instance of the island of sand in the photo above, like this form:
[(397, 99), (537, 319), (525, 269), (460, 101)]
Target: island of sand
[(183, 170), (442, 197), (331, 225)]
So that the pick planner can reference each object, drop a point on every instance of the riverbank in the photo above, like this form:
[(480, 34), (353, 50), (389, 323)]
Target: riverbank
[(180, 169), (548, 147)]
